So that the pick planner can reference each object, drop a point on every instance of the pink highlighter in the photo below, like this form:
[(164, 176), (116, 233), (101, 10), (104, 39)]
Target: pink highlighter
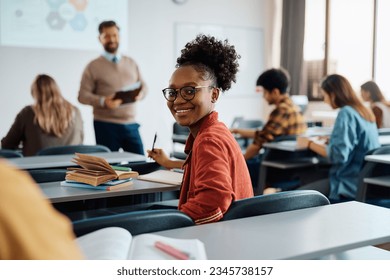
[(180, 255)]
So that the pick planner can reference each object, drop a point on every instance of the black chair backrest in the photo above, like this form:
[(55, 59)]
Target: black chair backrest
[(240, 122), (372, 169), (274, 203), (71, 149), (136, 222), (47, 175), (180, 130), (5, 153)]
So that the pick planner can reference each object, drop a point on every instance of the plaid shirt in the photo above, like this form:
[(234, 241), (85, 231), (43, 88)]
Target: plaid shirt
[(285, 119)]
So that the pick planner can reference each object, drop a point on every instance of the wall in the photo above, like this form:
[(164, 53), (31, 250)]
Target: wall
[(151, 44)]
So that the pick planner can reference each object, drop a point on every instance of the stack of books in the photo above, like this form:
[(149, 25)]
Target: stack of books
[(96, 173)]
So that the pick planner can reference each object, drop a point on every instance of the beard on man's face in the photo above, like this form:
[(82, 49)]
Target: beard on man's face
[(111, 47)]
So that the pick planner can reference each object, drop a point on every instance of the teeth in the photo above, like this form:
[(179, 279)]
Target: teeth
[(182, 111)]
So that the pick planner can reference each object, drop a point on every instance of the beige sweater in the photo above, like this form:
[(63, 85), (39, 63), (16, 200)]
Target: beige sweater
[(103, 78)]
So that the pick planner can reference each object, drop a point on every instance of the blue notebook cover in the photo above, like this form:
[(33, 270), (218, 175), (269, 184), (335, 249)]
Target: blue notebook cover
[(105, 186)]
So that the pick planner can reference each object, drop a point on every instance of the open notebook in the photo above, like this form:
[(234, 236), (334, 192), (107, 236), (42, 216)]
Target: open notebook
[(163, 176), (115, 243)]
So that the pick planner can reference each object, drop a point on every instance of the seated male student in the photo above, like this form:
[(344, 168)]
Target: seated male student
[(30, 228), (285, 119)]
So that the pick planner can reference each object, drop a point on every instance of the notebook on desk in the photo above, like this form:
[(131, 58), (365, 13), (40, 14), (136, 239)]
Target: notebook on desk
[(163, 176), (115, 243)]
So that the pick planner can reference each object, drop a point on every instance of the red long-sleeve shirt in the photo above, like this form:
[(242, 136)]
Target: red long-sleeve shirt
[(215, 173)]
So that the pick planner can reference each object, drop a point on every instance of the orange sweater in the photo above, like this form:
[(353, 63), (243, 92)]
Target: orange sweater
[(30, 228), (215, 173)]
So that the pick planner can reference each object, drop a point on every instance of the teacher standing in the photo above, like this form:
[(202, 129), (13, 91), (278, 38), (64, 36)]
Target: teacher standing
[(114, 121)]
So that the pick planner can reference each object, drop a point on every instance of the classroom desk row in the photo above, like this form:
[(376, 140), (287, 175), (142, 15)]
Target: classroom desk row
[(383, 181), (343, 230), (53, 161), (57, 193), (336, 231), (304, 162)]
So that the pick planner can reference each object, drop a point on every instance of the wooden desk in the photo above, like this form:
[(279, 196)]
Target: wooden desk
[(57, 193), (309, 233), (38, 162)]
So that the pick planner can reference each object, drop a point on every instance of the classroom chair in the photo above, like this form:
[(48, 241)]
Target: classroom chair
[(136, 222), (301, 167), (274, 203), (71, 149), (373, 194), (5, 153), (47, 175), (179, 136), (240, 122)]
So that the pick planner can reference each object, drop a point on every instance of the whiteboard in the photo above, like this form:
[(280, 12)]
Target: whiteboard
[(59, 23), (249, 44)]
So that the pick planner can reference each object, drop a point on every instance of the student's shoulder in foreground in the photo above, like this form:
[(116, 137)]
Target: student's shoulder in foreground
[(30, 228)]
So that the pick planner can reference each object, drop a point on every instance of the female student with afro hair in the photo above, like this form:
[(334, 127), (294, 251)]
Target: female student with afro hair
[(215, 172)]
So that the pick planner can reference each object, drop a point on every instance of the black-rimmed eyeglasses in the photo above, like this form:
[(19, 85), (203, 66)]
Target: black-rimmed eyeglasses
[(187, 92)]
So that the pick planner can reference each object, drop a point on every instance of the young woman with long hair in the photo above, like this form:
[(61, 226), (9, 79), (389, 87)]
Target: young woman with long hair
[(380, 107), (50, 121), (354, 134)]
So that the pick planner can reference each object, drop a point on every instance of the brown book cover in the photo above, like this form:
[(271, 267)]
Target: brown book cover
[(95, 171)]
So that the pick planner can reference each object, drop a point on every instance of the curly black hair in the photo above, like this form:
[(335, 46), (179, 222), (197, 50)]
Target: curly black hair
[(217, 60)]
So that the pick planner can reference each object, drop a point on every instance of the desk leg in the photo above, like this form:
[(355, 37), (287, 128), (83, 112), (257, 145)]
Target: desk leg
[(361, 195), (261, 182)]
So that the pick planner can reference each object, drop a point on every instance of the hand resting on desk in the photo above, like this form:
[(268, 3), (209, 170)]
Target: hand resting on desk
[(316, 144)]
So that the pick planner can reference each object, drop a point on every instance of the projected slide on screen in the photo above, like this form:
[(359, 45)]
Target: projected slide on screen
[(65, 24)]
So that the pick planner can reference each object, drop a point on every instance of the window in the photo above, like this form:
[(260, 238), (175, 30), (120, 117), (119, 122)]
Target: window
[(351, 40), (382, 57), (314, 48), (351, 50)]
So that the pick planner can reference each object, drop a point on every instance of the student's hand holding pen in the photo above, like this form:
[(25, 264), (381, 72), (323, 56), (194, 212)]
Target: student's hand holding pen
[(161, 158), (158, 155)]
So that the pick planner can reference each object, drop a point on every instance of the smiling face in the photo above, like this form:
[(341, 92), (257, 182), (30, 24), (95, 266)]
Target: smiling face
[(109, 38), (188, 113)]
